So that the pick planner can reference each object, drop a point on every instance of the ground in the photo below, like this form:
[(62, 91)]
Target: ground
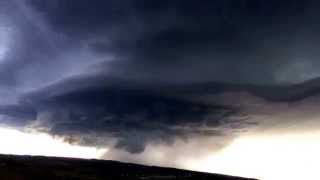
[(45, 168)]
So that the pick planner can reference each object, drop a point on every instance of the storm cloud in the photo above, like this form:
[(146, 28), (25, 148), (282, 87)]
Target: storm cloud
[(136, 74), (184, 41), (134, 115)]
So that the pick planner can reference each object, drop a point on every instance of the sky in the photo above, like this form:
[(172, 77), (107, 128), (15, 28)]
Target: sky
[(221, 86)]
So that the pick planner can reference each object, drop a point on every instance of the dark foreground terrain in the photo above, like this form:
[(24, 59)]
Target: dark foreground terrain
[(45, 168)]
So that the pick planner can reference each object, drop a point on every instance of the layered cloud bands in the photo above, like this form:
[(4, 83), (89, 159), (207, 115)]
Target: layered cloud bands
[(134, 115), (139, 76)]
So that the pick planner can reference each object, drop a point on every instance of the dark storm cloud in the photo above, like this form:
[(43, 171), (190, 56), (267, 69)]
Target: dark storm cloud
[(138, 71), (93, 111), (19, 111), (134, 116), (35, 56), (192, 41)]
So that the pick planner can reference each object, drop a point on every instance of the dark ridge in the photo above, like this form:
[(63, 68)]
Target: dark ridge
[(53, 168)]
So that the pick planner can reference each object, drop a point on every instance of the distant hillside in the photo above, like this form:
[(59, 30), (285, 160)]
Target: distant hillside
[(45, 168)]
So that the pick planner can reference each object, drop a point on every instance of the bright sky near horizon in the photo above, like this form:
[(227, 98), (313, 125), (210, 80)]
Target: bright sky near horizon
[(267, 157), (22, 143), (270, 157)]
